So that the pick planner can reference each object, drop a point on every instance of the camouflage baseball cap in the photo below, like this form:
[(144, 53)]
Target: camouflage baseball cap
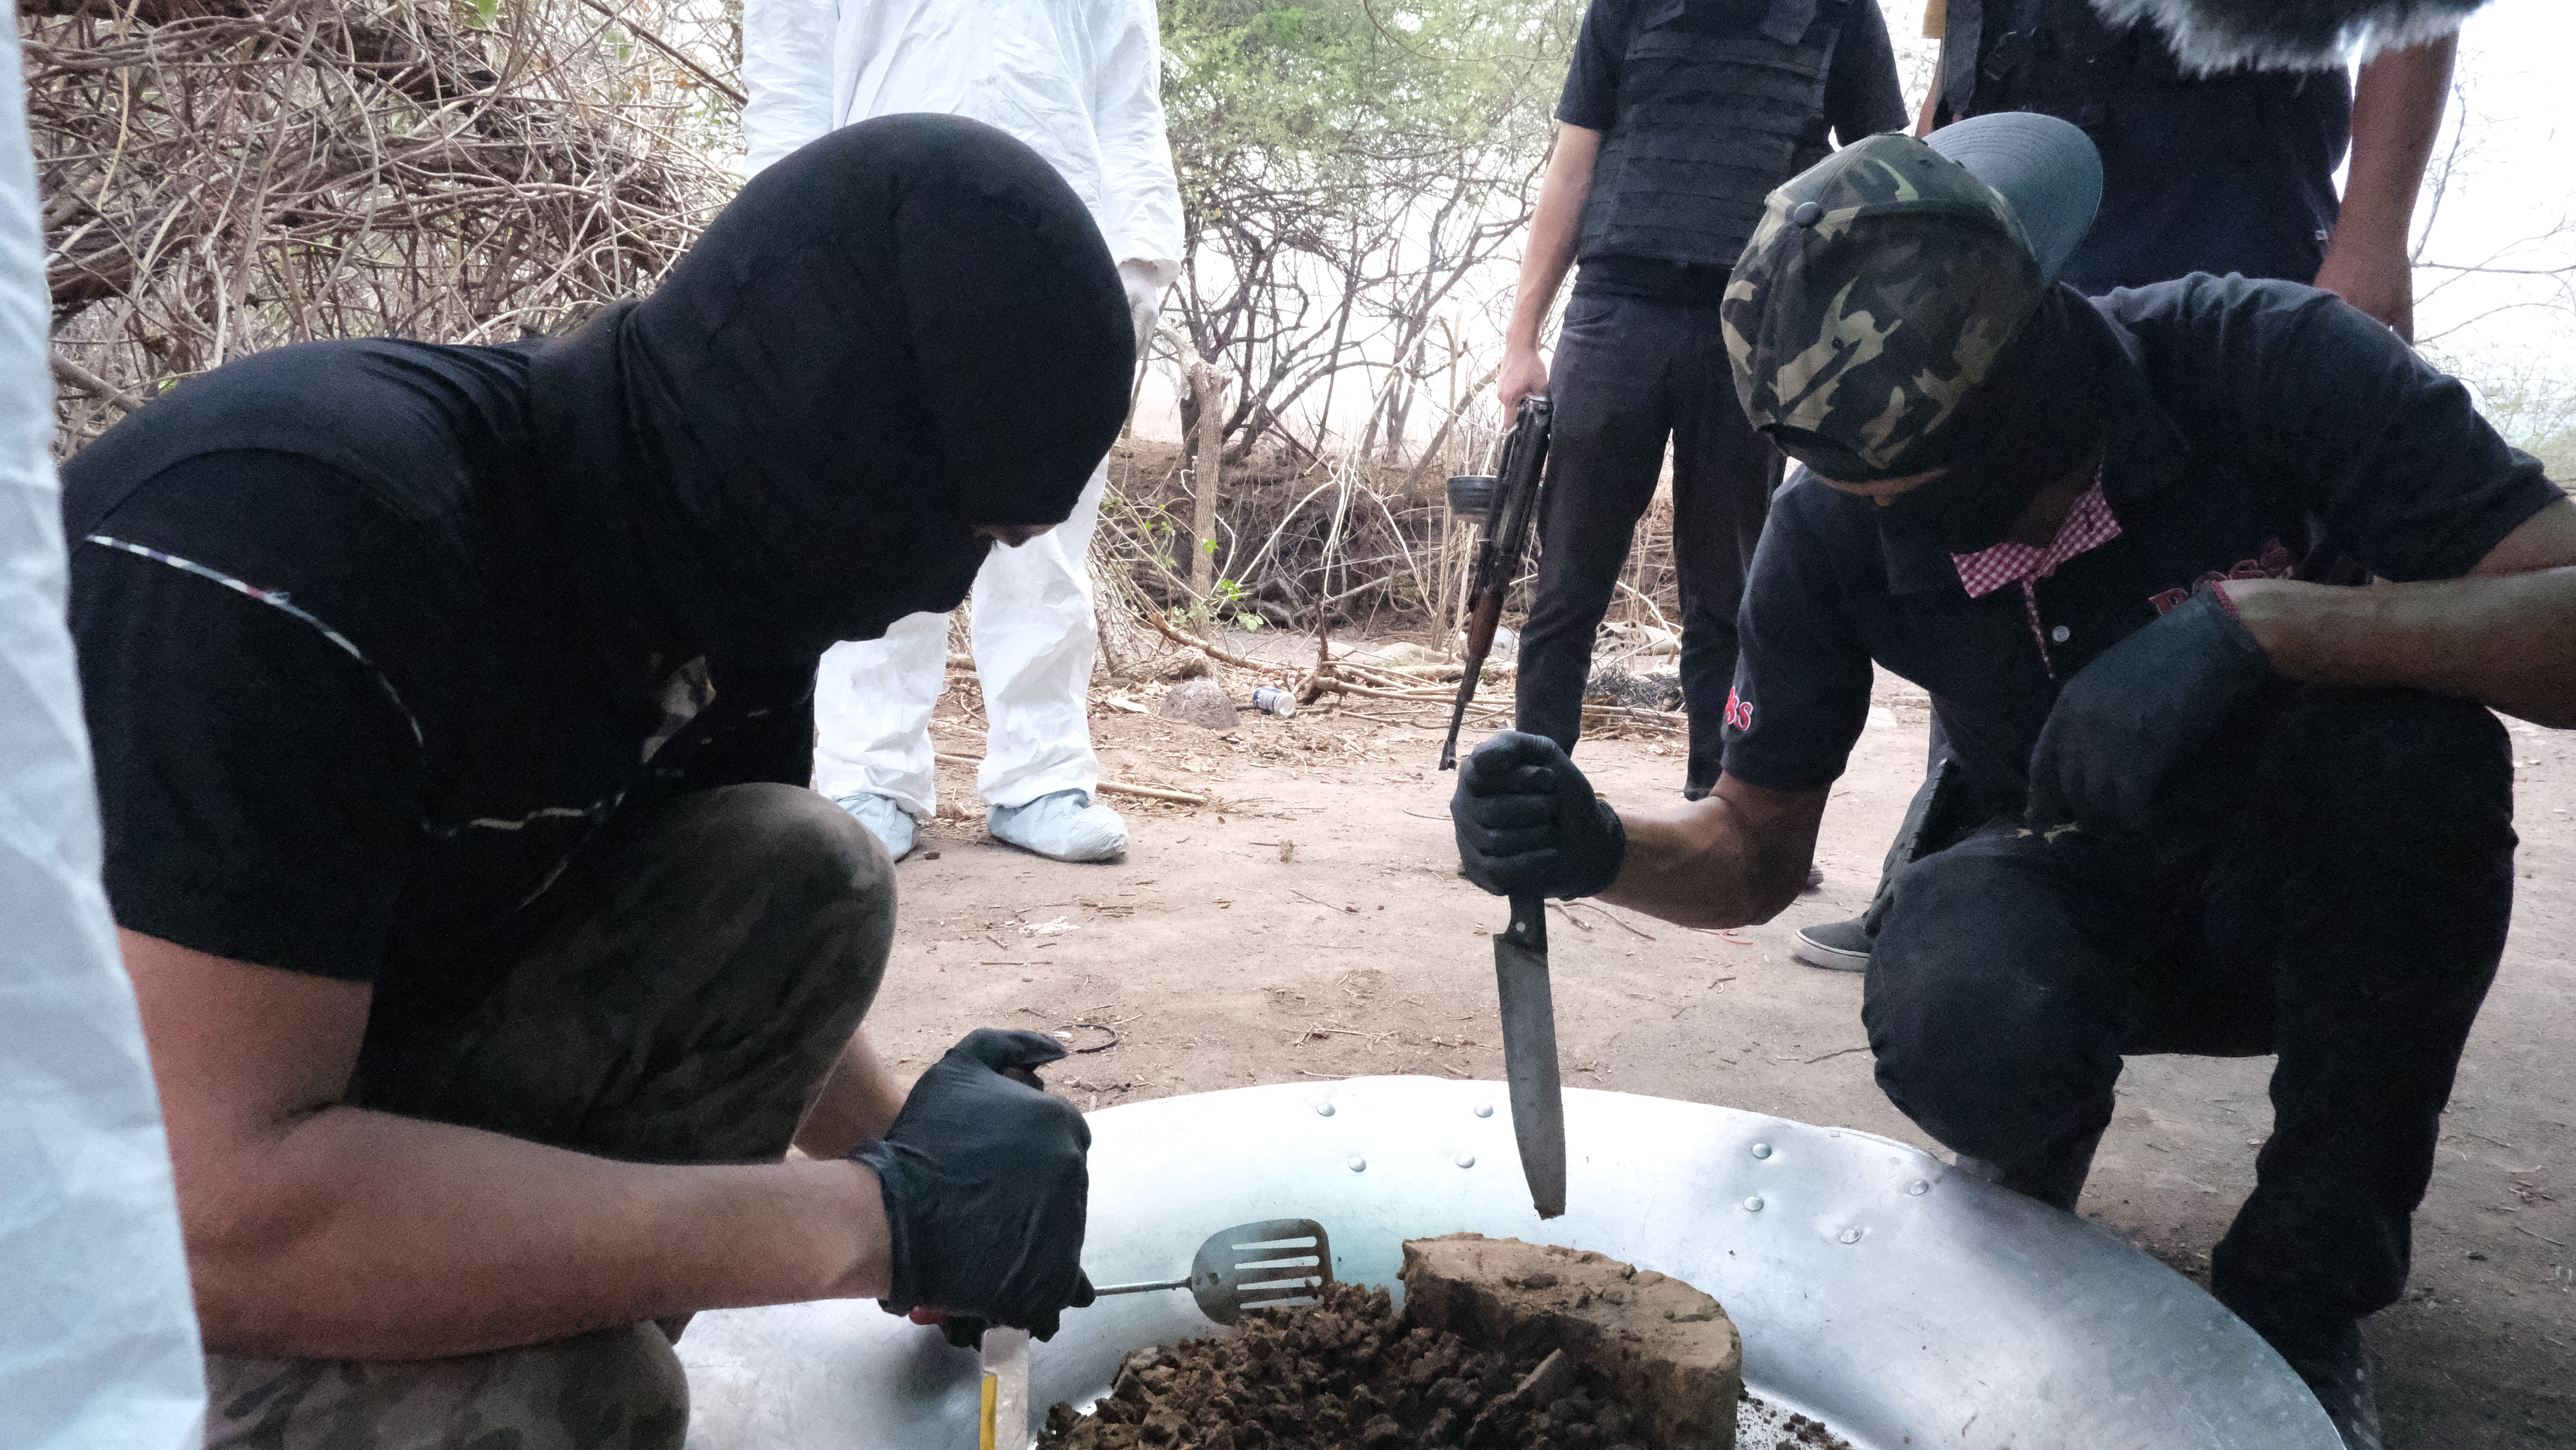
[(1886, 281)]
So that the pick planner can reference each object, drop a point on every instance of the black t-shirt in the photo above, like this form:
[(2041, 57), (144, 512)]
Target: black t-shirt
[(1862, 97), (2256, 422), (2231, 172), (349, 718)]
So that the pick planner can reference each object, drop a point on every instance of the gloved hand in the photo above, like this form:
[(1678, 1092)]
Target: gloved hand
[(985, 1190), (1144, 299), (2123, 723), (1528, 821)]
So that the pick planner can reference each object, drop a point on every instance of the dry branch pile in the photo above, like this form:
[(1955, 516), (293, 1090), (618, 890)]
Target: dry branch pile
[(224, 176), (1351, 544)]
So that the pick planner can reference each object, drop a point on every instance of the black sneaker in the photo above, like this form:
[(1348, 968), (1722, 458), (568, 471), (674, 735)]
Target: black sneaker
[(2351, 1398), (2328, 1352), (1836, 946)]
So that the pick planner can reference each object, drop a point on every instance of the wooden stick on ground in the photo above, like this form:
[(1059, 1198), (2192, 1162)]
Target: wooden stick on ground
[(72, 373), (1106, 787), (1155, 618), (1382, 675)]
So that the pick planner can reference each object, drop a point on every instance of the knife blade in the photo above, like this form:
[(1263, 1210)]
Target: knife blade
[(1529, 1053)]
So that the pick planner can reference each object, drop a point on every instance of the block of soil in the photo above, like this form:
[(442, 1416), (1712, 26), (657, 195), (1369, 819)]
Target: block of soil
[(1346, 1371), (1662, 1347)]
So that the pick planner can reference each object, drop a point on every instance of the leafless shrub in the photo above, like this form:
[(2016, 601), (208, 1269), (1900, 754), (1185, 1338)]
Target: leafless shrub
[(1368, 546), (223, 176)]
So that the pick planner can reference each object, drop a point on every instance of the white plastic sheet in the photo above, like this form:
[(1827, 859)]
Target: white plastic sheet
[(98, 1336)]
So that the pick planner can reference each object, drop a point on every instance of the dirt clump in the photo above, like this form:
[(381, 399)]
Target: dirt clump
[(1346, 1371), (1664, 1348)]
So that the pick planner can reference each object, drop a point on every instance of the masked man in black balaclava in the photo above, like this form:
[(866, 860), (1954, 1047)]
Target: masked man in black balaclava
[(501, 976), (2210, 802)]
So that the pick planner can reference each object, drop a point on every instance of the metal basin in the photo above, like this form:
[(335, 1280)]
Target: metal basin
[(1877, 1290)]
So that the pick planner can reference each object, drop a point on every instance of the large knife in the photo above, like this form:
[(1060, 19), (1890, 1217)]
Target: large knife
[(1529, 1053)]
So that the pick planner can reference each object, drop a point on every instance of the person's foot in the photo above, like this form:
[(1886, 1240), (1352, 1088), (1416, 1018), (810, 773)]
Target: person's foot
[(889, 823), (1836, 946), (1815, 877), (2351, 1397), (2327, 1351), (1066, 826)]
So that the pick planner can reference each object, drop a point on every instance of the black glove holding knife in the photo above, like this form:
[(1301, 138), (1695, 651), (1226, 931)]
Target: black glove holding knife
[(1528, 822)]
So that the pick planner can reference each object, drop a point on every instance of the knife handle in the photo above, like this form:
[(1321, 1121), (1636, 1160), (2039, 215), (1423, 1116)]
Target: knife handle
[(1004, 1411), (1529, 922)]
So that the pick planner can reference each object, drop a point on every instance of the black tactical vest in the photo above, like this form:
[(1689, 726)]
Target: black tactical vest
[(1712, 116), (2057, 57)]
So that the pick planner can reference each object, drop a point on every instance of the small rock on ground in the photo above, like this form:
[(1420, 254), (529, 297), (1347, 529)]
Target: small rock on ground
[(1198, 702)]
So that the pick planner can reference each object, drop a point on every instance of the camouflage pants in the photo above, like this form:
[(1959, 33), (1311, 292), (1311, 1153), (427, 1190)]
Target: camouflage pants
[(682, 1008)]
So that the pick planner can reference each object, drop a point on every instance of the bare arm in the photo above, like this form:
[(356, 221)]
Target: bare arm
[(2396, 114), (2505, 636), (1545, 260), (1736, 857), (318, 1229)]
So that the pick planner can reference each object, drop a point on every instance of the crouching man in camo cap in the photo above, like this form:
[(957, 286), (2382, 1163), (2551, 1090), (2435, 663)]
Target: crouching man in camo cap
[(2206, 796)]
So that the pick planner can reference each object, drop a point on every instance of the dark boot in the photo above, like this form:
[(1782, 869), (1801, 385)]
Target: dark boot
[(2327, 1350)]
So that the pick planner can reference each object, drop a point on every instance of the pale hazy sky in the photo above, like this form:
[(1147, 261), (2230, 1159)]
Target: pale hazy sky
[(2512, 180), (2512, 184), (2510, 203)]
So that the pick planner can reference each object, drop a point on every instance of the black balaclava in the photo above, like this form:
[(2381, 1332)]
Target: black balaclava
[(905, 329), (2044, 407)]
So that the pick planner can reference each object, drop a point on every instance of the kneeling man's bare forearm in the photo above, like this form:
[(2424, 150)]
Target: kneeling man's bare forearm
[(358, 1234), (322, 1230), (1735, 858)]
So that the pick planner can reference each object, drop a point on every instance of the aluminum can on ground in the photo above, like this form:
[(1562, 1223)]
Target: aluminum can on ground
[(1272, 700)]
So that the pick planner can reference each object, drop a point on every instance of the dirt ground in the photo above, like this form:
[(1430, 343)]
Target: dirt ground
[(1309, 924)]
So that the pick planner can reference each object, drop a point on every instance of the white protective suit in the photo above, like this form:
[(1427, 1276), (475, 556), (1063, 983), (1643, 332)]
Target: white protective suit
[(98, 1334), (1079, 81)]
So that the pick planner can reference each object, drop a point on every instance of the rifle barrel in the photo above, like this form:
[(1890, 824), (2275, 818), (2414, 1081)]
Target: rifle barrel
[(1458, 711)]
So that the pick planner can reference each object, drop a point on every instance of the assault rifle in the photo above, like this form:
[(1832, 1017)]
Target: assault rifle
[(1499, 553)]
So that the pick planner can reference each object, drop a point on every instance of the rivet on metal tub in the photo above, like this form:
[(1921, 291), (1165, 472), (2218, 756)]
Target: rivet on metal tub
[(1918, 1186), (1851, 1235), (1323, 1110), (1761, 1150), (1484, 1110), (1358, 1164), (1466, 1160), (1753, 1204)]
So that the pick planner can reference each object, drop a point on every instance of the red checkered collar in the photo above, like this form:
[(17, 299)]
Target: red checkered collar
[(2088, 526)]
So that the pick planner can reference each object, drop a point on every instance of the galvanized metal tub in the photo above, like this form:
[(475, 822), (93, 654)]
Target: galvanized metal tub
[(1877, 1290)]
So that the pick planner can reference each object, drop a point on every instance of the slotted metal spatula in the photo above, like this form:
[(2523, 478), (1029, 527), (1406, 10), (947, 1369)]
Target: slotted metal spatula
[(1274, 1264)]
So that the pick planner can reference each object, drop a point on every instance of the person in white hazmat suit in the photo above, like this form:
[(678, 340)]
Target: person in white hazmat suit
[(98, 1333), (1079, 81)]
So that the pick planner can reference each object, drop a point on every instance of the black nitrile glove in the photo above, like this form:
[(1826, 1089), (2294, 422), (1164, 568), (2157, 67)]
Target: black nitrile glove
[(985, 1189), (1528, 821), (2126, 720), (965, 1331)]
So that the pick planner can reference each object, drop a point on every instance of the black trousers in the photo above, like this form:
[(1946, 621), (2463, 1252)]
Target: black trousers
[(1630, 373), (2336, 891)]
